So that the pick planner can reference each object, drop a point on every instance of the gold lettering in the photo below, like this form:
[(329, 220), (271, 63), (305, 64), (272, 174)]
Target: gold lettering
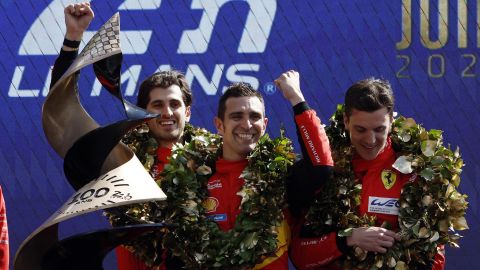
[(442, 66), (406, 64), (406, 25), (442, 24), (462, 23), (468, 71)]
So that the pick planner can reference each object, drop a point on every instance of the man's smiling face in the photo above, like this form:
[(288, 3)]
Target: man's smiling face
[(242, 125), (368, 131), (168, 102)]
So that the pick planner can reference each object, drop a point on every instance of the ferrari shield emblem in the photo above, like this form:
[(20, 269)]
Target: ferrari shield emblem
[(388, 178)]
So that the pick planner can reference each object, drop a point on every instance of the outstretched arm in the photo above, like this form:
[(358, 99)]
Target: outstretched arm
[(309, 174), (77, 20), (313, 140)]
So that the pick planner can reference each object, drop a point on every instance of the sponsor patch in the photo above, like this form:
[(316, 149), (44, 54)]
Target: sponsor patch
[(218, 217), (388, 178), (214, 184), (210, 204), (389, 206)]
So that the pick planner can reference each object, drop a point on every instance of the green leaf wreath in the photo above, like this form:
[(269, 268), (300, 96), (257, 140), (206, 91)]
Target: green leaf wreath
[(195, 238), (431, 208), (149, 246)]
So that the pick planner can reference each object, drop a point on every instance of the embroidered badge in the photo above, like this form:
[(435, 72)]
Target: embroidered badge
[(389, 206), (210, 204), (388, 179), (214, 184), (218, 217)]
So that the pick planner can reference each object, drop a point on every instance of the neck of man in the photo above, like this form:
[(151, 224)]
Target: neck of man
[(232, 156), (168, 143)]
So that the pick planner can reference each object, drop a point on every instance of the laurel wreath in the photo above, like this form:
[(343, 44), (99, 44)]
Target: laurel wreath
[(195, 238), (431, 208)]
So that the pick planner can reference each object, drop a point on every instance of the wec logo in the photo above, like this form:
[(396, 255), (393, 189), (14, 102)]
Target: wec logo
[(46, 32), (381, 205), (387, 203)]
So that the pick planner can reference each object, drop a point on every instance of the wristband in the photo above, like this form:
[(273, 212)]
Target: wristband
[(71, 43)]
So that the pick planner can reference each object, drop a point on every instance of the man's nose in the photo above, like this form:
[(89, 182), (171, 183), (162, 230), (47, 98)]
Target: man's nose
[(370, 138), (167, 112), (246, 123)]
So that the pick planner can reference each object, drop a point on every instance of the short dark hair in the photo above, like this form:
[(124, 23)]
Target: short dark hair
[(369, 95), (164, 79), (236, 90)]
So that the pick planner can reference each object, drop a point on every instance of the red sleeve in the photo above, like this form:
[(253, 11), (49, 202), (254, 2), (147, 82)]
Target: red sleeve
[(126, 260), (4, 249), (312, 252), (313, 138), (439, 259), (308, 175)]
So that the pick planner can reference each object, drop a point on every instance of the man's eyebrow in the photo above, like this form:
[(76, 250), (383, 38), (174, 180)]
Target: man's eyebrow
[(360, 126), (156, 101), (235, 113)]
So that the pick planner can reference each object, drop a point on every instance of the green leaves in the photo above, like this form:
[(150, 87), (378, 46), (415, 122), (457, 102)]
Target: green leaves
[(403, 164), (428, 147), (427, 174), (199, 241), (346, 232), (431, 208)]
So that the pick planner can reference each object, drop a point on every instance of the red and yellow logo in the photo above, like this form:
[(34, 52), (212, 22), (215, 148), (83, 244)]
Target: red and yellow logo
[(388, 179), (210, 204)]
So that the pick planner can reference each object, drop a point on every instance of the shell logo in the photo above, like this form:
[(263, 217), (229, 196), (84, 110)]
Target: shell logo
[(210, 204)]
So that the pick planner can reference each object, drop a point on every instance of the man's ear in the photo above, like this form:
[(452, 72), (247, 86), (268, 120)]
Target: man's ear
[(219, 125), (345, 120), (188, 113), (391, 124), (265, 122)]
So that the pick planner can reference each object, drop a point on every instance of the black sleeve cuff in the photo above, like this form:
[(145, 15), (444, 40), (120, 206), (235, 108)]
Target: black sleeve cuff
[(74, 44), (300, 108), (342, 244), (68, 55)]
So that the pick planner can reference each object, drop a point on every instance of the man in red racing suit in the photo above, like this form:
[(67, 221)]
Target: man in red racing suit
[(166, 93), (368, 126), (241, 122)]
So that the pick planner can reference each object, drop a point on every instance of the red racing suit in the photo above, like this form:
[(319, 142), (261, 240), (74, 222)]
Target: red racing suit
[(223, 206), (4, 247), (381, 188), (223, 203)]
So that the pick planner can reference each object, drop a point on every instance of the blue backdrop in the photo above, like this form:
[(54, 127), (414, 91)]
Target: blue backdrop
[(428, 50)]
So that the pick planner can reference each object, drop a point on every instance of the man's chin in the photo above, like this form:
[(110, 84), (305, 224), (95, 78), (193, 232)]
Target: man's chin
[(248, 148), (167, 136), (369, 155)]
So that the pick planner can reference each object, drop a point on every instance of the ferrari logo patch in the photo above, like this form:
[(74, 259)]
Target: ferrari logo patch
[(388, 178)]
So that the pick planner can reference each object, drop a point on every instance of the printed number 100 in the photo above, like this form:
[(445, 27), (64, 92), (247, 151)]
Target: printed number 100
[(88, 194)]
